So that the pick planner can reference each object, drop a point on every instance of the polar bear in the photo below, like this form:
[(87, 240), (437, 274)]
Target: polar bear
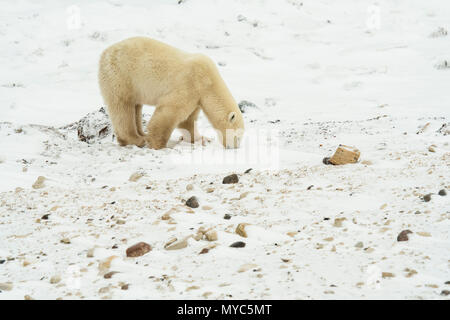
[(140, 70)]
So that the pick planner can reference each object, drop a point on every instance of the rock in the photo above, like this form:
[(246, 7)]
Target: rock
[(204, 250), (403, 236), (240, 230), (166, 216), (120, 221), (7, 286), (55, 279), (385, 275), (247, 267), (192, 202), (125, 286), (424, 234), (174, 244), (445, 292), (104, 265), (139, 249), (244, 104), (210, 190), (109, 274), (65, 240), (243, 195), (232, 178), (338, 222), (27, 297), (45, 216), (238, 244), (189, 187), (432, 148), (227, 216), (93, 127), (345, 154), (359, 245), (39, 183), (427, 197), (326, 160), (442, 192), (90, 253), (211, 235), (248, 170), (135, 176)]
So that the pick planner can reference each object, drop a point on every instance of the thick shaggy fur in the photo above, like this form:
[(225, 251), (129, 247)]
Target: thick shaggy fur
[(141, 70)]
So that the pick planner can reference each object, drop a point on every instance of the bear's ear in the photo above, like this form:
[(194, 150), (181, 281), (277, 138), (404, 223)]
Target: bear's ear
[(232, 117)]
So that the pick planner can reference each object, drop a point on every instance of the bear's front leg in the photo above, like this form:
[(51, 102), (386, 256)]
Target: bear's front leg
[(161, 126)]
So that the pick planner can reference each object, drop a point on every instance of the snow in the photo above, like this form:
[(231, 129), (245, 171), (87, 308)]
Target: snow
[(321, 73)]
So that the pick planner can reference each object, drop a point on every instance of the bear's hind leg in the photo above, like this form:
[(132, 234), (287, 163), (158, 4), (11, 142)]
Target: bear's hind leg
[(140, 131), (123, 118)]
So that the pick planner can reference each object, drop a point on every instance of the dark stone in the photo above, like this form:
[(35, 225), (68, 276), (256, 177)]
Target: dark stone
[(204, 250), (244, 105), (248, 170), (427, 197), (445, 292), (227, 216), (403, 236), (326, 160), (2, 261), (238, 244), (45, 216), (139, 249), (232, 178), (192, 202), (442, 192)]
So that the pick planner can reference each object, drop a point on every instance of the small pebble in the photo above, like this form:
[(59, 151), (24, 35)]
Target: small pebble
[(232, 178), (227, 216), (45, 216), (238, 244), (326, 160), (442, 192), (427, 197), (55, 279), (192, 202), (445, 292), (403, 236), (139, 249)]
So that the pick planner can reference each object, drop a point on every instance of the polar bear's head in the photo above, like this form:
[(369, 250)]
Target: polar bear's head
[(217, 102)]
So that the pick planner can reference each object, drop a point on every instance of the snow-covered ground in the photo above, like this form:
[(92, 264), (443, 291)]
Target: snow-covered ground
[(370, 74)]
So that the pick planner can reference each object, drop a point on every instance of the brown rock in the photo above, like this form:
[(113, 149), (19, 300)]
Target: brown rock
[(385, 275), (192, 202), (39, 183), (345, 154), (232, 178), (109, 274), (139, 249), (240, 230), (211, 235), (135, 177), (238, 244), (403, 236), (175, 244)]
